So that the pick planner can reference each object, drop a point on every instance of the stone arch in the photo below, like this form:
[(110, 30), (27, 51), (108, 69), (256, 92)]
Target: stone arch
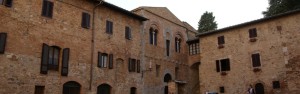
[(167, 77), (71, 87), (104, 89)]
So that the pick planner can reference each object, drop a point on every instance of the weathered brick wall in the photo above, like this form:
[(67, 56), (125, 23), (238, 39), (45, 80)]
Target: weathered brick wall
[(275, 56)]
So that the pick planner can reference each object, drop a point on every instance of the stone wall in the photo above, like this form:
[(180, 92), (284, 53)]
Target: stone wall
[(278, 55)]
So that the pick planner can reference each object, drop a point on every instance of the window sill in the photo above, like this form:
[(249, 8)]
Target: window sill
[(221, 46), (253, 39), (223, 73), (256, 69)]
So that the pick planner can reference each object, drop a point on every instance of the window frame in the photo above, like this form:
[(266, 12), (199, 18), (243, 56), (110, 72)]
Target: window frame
[(256, 60), (39, 89), (128, 33), (222, 65), (54, 57), (47, 9), (252, 33), (109, 27), (221, 40)]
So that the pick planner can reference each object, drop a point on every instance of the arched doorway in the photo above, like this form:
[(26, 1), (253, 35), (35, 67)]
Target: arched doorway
[(132, 90), (104, 89), (71, 87), (259, 88), (167, 79)]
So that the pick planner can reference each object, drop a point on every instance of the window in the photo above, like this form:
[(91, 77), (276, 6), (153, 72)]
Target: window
[(3, 37), (157, 70), (256, 60), (177, 44), (53, 58), (85, 22), (221, 40), (47, 10), (168, 47), (252, 33), (127, 33), (132, 90), (138, 65), (276, 84), (153, 36), (50, 59), (132, 65), (7, 3), (223, 65), (222, 89), (194, 48), (109, 27), (102, 60), (39, 89)]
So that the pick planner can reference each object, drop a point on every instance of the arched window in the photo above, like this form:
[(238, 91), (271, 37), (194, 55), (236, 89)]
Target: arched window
[(153, 36), (132, 90), (71, 87), (259, 88), (177, 44), (167, 78), (104, 89)]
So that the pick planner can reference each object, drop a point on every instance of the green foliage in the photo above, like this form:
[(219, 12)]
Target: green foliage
[(281, 6), (207, 22)]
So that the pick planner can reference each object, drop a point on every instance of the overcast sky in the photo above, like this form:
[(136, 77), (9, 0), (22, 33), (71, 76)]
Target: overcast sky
[(227, 12)]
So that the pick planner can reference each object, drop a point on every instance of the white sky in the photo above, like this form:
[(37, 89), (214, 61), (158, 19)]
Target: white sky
[(226, 12)]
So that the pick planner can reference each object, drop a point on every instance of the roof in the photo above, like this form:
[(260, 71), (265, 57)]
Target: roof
[(249, 23), (189, 27), (124, 11), (163, 12)]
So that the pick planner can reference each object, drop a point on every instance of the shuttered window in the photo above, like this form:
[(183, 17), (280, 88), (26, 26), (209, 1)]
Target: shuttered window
[(85, 22), (132, 65), (223, 65), (3, 37), (168, 47), (109, 27), (65, 62), (252, 33), (221, 40), (47, 9), (111, 59), (127, 33), (256, 60), (39, 89), (218, 65), (53, 60), (44, 59)]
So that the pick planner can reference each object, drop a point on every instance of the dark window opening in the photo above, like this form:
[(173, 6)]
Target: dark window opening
[(138, 65), (194, 48), (85, 22), (3, 37), (252, 33), (109, 27), (71, 87), (104, 89), (167, 78), (168, 47), (256, 60), (276, 84), (223, 65), (259, 88), (47, 9), (132, 90), (7, 3), (132, 65), (127, 33), (222, 89), (111, 60), (102, 60), (39, 89), (221, 40)]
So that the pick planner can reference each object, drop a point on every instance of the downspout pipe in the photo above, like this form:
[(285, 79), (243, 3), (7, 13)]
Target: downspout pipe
[(93, 44)]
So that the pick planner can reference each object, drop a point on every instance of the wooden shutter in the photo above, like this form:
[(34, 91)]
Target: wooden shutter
[(111, 59), (155, 38), (107, 26), (50, 9), (65, 62), (85, 23), (168, 47), (8, 3), (3, 37), (138, 65), (218, 65), (127, 32), (44, 59), (225, 63), (129, 65), (99, 59), (111, 27), (255, 60), (221, 40), (44, 8), (47, 9)]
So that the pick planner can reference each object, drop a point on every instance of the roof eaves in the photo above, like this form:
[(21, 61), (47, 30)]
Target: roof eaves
[(248, 23)]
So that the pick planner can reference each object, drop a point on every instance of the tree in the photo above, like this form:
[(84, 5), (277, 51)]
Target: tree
[(281, 6), (207, 22)]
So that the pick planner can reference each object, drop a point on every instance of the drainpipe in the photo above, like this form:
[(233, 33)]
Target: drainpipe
[(93, 43)]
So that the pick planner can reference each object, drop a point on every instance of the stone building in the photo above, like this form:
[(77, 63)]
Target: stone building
[(263, 53), (94, 47)]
